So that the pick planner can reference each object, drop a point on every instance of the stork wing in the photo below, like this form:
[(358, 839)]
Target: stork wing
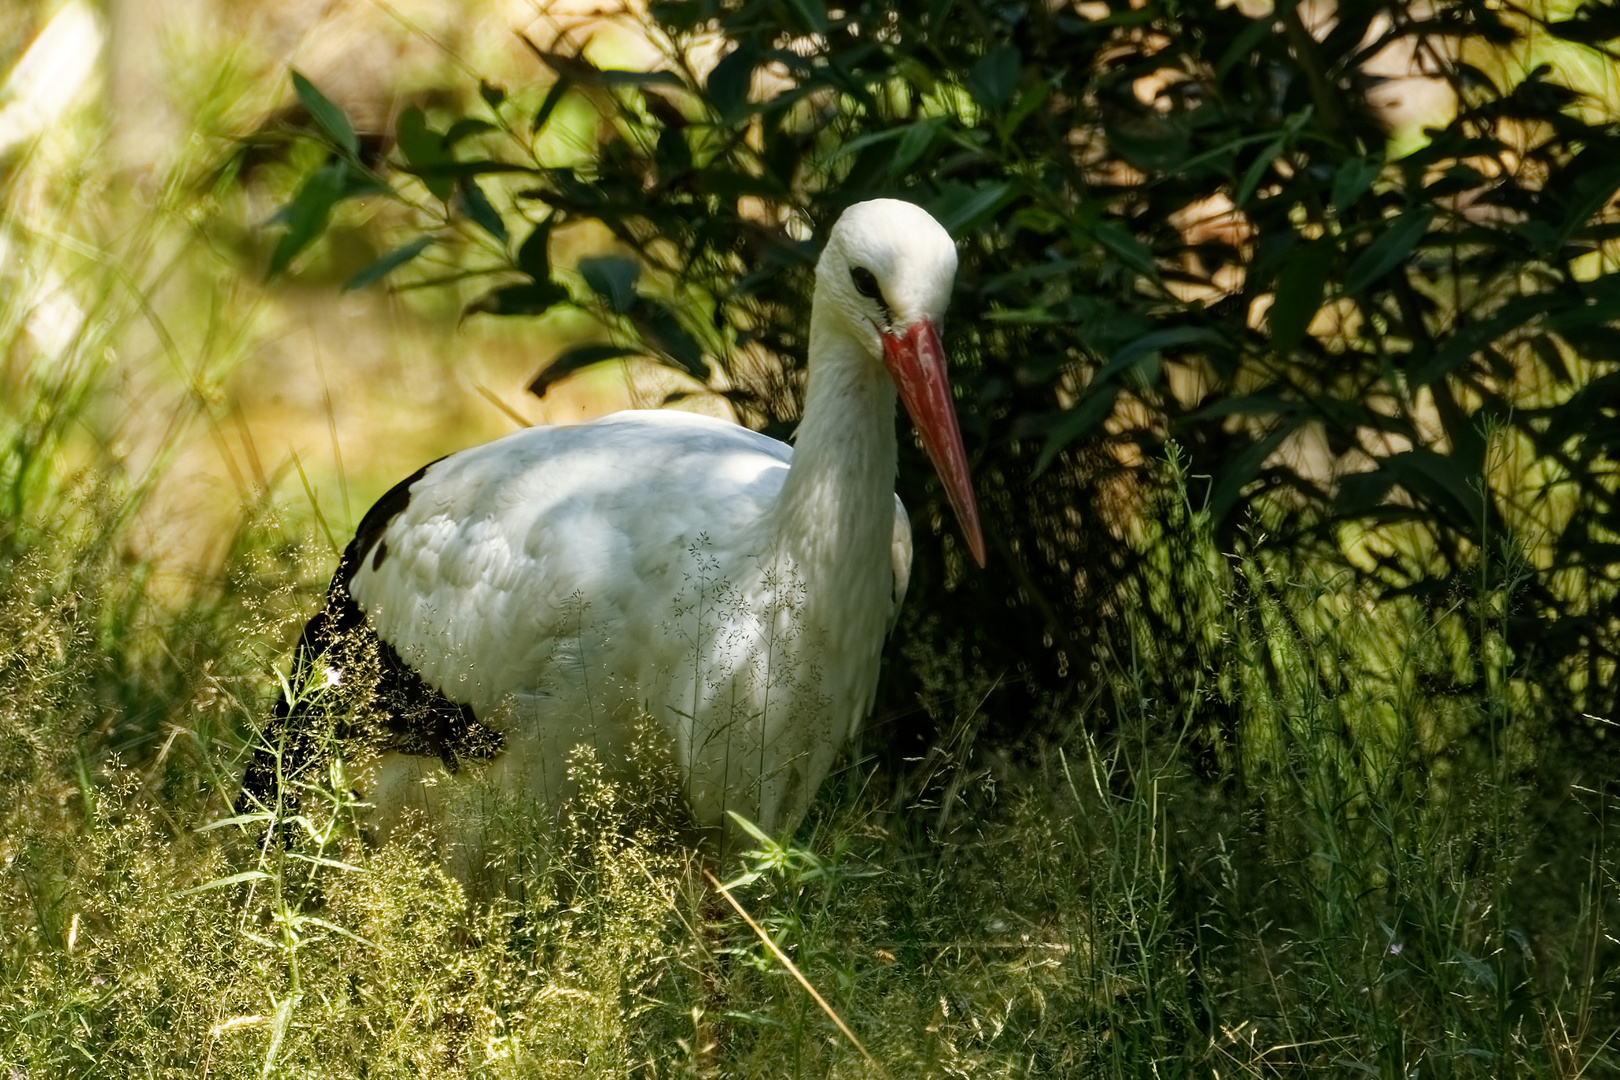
[(483, 574), (900, 553)]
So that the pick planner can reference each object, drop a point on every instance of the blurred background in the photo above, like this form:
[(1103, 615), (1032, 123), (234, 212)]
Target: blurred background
[(144, 168)]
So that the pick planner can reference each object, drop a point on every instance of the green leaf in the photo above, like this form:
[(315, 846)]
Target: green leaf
[(1131, 251), (961, 207), (528, 298), (1151, 345), (871, 138), (1041, 220), (915, 70), (672, 156), (306, 215), (279, 1023), (423, 148), (629, 77), (493, 95), (1256, 170), (914, 143), (457, 170), (613, 278), (326, 114), (1301, 282), (1084, 418), (553, 98), (1539, 233), (752, 830), (579, 70), (322, 860), (1590, 192), (1362, 493), (813, 12), (388, 263), (357, 182), (472, 201), (573, 68), (1266, 402), (994, 78), (313, 920), (1027, 102), (1243, 46), (1155, 143), (1476, 336), (1442, 482), (466, 128), (661, 330), (1353, 179), (572, 360), (1238, 470), (534, 255), (239, 819), (1479, 969), (1389, 250), (220, 883), (728, 84)]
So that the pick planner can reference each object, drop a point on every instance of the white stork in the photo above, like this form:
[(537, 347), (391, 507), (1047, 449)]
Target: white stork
[(548, 589)]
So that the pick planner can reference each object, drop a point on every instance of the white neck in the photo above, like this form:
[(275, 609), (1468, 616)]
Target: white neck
[(836, 510)]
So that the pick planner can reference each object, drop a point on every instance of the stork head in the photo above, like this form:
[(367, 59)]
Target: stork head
[(885, 277)]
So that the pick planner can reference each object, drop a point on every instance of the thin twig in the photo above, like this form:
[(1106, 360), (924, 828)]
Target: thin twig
[(506, 410), (792, 968)]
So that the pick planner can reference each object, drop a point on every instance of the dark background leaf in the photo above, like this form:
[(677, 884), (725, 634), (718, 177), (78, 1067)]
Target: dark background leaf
[(572, 360), (388, 263), (613, 278), (327, 115), (305, 216)]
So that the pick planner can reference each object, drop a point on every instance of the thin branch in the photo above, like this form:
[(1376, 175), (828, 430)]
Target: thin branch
[(792, 968)]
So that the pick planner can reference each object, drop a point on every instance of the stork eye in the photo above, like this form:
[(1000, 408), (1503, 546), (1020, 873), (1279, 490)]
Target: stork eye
[(866, 283)]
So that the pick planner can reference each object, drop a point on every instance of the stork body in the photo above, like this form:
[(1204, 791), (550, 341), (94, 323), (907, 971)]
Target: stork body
[(552, 587), (562, 580)]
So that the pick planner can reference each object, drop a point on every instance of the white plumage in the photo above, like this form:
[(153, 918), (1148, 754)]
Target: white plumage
[(563, 582)]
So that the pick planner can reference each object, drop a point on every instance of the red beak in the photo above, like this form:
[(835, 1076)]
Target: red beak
[(916, 363)]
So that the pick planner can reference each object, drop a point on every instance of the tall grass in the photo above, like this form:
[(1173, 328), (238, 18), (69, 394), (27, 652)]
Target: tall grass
[(1316, 841)]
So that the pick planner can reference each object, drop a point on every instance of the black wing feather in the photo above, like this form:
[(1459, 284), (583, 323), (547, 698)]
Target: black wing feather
[(402, 712)]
